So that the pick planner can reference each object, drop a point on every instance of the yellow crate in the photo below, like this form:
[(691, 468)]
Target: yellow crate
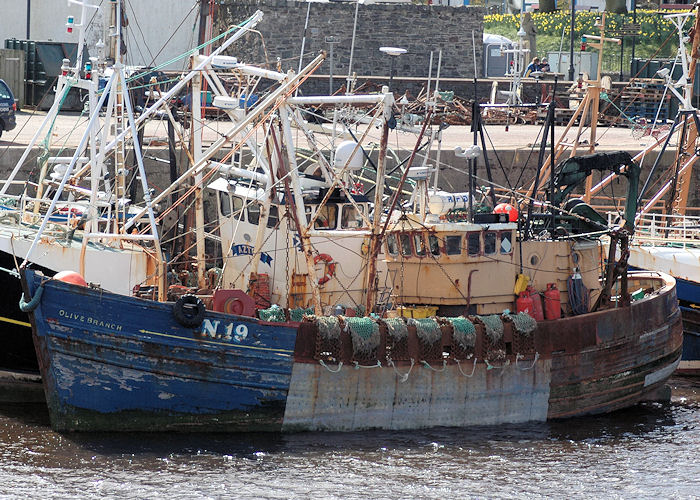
[(417, 312)]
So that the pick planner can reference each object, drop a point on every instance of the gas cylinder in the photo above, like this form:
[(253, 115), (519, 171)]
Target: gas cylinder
[(552, 302), (524, 304), (537, 311)]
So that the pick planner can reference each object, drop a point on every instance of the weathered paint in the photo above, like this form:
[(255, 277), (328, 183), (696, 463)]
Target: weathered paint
[(117, 363), (376, 398), (110, 362)]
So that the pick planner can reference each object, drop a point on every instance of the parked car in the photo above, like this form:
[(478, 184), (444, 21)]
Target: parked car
[(7, 108)]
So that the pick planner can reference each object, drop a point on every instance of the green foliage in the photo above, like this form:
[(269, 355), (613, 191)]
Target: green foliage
[(553, 27)]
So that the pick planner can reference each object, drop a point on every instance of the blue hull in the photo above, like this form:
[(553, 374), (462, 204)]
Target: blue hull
[(118, 363), (689, 293)]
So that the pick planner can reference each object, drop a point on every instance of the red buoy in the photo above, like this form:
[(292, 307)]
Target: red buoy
[(552, 302), (524, 304), (71, 277), (507, 208), (538, 313)]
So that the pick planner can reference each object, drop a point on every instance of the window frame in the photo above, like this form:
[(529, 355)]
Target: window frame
[(496, 241), (500, 242), (256, 219), (470, 235), (440, 249), (396, 244), (273, 218), (450, 237), (419, 235)]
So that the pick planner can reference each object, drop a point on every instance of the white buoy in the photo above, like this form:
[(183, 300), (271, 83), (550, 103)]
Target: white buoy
[(224, 62), (225, 102), (441, 202)]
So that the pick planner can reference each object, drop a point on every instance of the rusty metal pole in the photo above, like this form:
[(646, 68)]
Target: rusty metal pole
[(298, 206), (375, 238), (625, 298)]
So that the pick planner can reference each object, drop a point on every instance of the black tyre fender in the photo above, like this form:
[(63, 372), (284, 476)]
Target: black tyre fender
[(189, 311)]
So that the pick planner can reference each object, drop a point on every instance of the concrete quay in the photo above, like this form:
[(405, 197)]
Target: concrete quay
[(517, 148)]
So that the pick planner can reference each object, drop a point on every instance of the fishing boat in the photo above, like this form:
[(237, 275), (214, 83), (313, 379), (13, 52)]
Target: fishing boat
[(449, 335), (666, 237), (75, 217), (112, 362), (79, 229)]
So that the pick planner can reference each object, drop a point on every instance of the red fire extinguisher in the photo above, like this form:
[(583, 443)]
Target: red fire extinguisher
[(538, 313), (524, 304), (552, 302)]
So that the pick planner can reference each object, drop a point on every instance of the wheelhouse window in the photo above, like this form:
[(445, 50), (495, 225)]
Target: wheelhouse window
[(490, 243), (419, 244), (273, 218), (254, 213), (434, 244), (230, 204), (506, 242), (327, 217), (392, 245), (474, 244), (453, 245), (351, 218), (405, 240)]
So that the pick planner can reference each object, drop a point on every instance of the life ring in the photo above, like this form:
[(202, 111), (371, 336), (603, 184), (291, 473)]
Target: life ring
[(189, 311), (330, 267)]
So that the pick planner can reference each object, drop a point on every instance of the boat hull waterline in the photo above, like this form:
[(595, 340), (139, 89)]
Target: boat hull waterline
[(116, 363)]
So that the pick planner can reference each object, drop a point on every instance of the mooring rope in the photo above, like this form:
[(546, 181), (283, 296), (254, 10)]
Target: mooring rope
[(489, 366), (340, 365), (403, 378), (473, 369), (358, 365), (427, 365), (520, 356)]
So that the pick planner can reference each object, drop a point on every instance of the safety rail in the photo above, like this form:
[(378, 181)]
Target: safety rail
[(665, 230)]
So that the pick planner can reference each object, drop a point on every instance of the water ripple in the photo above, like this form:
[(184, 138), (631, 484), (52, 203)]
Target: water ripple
[(646, 452)]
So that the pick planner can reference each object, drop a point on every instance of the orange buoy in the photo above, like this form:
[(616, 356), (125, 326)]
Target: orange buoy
[(71, 277), (507, 208)]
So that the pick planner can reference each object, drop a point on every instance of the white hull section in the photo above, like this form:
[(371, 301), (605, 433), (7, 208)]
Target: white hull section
[(682, 263), (116, 270), (282, 255)]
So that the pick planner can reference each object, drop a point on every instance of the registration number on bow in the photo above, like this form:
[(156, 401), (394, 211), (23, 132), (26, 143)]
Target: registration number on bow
[(215, 329)]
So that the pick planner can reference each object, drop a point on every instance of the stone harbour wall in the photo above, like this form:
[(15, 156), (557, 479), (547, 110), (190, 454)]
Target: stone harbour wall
[(417, 28)]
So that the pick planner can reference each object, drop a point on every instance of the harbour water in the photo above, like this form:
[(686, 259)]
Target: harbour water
[(650, 451)]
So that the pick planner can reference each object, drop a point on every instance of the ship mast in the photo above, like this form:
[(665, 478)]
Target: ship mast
[(686, 148), (589, 106)]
